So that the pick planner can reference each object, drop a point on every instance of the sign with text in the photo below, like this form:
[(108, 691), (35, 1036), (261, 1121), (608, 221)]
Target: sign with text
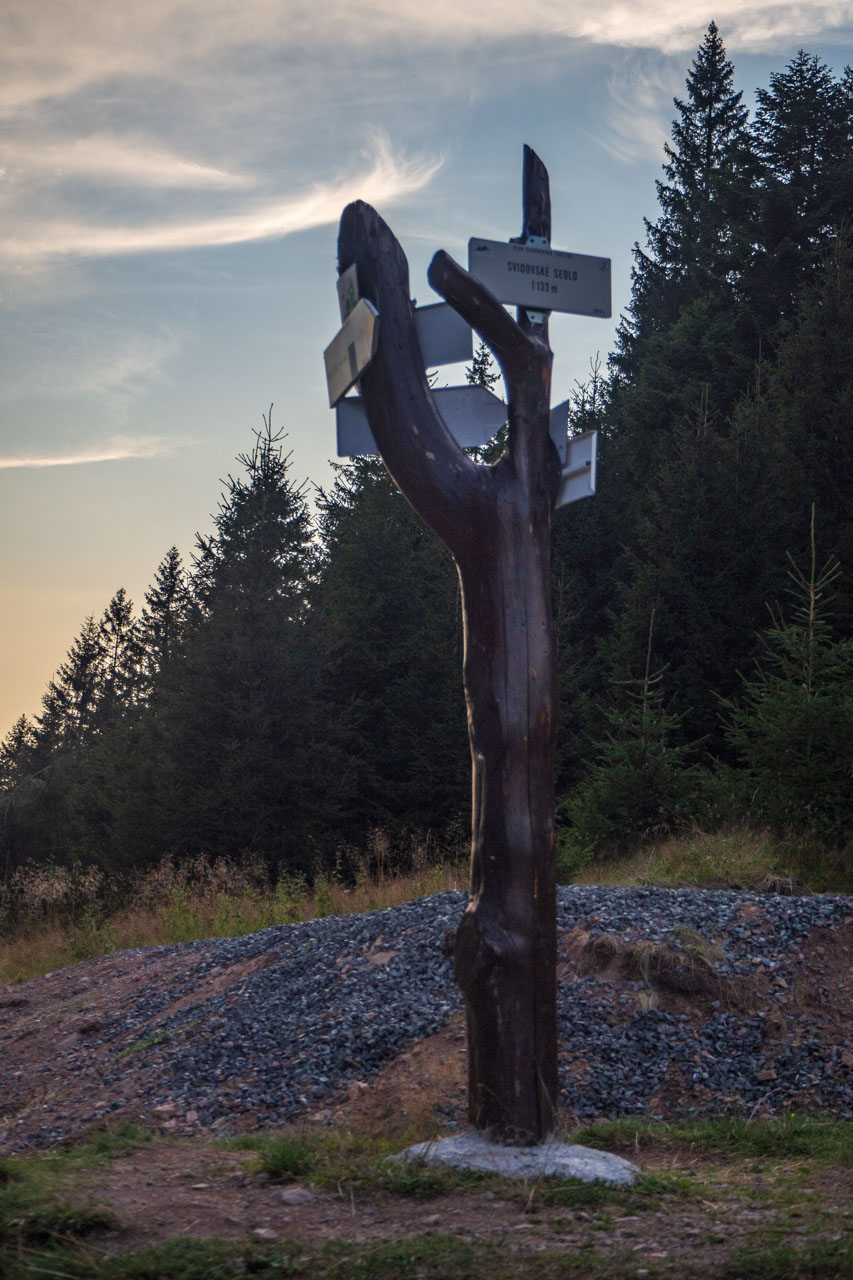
[(351, 350), (542, 279), (578, 477), (472, 415)]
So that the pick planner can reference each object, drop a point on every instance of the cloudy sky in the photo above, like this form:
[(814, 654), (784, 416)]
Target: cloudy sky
[(171, 176)]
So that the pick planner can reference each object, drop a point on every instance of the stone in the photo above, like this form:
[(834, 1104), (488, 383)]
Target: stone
[(296, 1195), (265, 1234), (549, 1159)]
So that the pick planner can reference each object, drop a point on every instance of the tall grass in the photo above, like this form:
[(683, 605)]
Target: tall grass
[(51, 916), (737, 857)]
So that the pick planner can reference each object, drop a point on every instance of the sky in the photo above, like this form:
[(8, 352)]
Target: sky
[(172, 174)]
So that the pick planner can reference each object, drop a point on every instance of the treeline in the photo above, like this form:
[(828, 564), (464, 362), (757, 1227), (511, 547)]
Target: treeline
[(299, 683)]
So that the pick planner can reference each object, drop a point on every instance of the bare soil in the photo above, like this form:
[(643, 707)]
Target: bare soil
[(189, 1186)]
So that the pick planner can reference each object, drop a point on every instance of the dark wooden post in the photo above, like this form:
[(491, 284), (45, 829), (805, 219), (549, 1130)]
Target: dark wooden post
[(496, 521)]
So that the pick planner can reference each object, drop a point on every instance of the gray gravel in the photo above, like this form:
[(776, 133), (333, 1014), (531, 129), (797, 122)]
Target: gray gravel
[(323, 1012)]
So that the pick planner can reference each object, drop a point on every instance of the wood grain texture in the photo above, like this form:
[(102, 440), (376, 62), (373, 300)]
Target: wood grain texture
[(496, 522)]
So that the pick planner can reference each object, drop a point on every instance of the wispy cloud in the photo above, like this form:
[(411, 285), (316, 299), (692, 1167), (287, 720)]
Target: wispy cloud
[(131, 160), (119, 449), (388, 179), (94, 352), (57, 47), (641, 89), (674, 26)]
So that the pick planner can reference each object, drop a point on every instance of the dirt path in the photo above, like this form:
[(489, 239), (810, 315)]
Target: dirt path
[(188, 1188)]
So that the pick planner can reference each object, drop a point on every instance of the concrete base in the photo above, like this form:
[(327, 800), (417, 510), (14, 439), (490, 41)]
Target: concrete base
[(548, 1160)]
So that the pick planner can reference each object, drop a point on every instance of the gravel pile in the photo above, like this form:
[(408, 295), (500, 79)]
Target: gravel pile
[(321, 1004), (773, 1052)]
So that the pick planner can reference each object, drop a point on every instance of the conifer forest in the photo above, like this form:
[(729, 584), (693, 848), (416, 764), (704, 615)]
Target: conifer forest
[(295, 683)]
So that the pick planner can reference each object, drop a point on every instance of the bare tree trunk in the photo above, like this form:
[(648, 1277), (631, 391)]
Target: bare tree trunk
[(496, 522)]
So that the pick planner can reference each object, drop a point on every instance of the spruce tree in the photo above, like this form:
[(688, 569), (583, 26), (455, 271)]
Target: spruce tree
[(242, 746), (389, 626), (163, 620), (693, 246), (792, 725), (803, 130)]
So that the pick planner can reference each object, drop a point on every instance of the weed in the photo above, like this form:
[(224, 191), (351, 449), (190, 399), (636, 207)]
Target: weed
[(826, 1260), (107, 1144), (147, 1042), (286, 1157)]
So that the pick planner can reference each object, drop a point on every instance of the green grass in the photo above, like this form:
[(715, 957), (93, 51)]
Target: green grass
[(824, 1141), (42, 1234), (141, 1046), (827, 1260)]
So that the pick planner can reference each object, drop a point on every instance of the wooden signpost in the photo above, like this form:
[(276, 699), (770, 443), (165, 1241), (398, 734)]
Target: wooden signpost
[(496, 521)]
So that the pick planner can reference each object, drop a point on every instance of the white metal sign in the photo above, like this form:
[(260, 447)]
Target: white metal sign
[(351, 350), (472, 415), (578, 478), (444, 336), (541, 278)]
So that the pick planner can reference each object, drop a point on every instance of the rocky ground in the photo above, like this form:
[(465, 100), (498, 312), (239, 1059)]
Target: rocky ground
[(672, 1002)]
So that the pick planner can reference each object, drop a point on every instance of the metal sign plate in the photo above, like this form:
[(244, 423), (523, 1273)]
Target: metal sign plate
[(351, 350), (542, 279), (444, 336), (348, 294), (560, 429), (472, 415), (579, 474)]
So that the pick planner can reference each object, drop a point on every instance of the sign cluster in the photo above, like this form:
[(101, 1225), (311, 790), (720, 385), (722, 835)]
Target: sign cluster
[(529, 275)]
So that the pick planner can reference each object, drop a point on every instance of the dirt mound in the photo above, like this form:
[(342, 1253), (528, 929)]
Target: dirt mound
[(808, 999)]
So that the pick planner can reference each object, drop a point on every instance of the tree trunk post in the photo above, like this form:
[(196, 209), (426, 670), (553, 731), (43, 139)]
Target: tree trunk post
[(496, 521)]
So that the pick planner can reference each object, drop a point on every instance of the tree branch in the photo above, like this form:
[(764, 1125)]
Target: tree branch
[(476, 304), (427, 464)]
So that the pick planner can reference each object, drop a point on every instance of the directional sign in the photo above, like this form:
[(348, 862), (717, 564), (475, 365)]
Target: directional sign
[(578, 478), (542, 279), (560, 429), (351, 350), (348, 294), (472, 415), (444, 336)]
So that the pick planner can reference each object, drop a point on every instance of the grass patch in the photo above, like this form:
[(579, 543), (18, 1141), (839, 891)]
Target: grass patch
[(41, 1232), (826, 1260), (360, 1165), (347, 1162), (440, 1257), (42, 1235), (107, 1144), (285, 1157), (738, 857), (823, 1141)]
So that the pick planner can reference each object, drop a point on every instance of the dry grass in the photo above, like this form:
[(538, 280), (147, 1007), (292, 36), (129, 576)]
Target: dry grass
[(737, 858), (51, 917)]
